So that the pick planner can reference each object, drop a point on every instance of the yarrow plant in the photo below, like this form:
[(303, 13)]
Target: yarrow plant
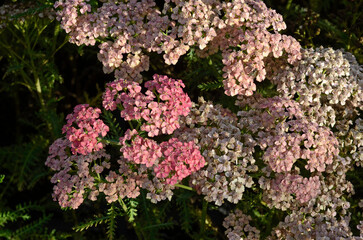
[(144, 162), (279, 160)]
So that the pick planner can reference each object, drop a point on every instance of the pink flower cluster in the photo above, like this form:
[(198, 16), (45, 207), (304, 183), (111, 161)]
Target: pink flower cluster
[(239, 29), (121, 184), (73, 179), (288, 136), (160, 106), (79, 176), (172, 161), (292, 145), (304, 188), (329, 86), (141, 151), (180, 160), (83, 128), (245, 42)]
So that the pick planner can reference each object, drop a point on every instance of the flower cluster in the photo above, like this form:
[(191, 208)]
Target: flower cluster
[(83, 129), (144, 163), (214, 129), (321, 226), (71, 187), (142, 150), (172, 161), (160, 106), (326, 83), (239, 29), (329, 86), (78, 176), (121, 184), (292, 145), (320, 215), (192, 23), (245, 42), (238, 227), (133, 26), (180, 160)]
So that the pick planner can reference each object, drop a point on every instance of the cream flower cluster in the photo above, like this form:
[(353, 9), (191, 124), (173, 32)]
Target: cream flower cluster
[(229, 162), (329, 86)]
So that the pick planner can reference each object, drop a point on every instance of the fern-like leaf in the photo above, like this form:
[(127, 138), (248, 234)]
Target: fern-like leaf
[(131, 209), (112, 213), (210, 85), (91, 223), (10, 216), (112, 123), (21, 212)]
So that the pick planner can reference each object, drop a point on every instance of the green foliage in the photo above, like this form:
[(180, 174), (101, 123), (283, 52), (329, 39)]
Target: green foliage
[(132, 205), (36, 229), (334, 23), (153, 219), (31, 68), (210, 85), (112, 213), (99, 219), (109, 218), (110, 120), (203, 73), (24, 163), (21, 212), (185, 210), (266, 89), (29, 47), (2, 177)]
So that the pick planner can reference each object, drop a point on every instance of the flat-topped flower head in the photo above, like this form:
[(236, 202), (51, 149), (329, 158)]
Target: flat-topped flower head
[(83, 128), (244, 41), (296, 151), (287, 136), (228, 161), (74, 177), (180, 159), (170, 161), (159, 107)]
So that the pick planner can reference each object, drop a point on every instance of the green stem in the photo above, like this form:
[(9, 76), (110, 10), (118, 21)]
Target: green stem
[(55, 51), (109, 141), (183, 186), (123, 205), (17, 36), (38, 35), (203, 218), (13, 53), (131, 126)]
